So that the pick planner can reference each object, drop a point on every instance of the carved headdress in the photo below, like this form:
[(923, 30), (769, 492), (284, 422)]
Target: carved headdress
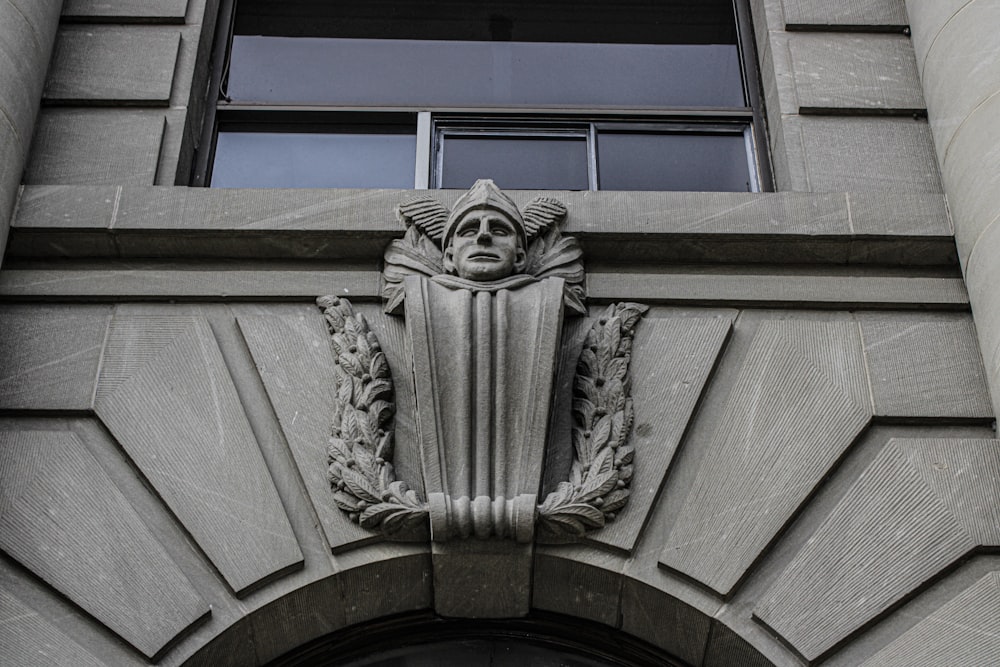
[(430, 224)]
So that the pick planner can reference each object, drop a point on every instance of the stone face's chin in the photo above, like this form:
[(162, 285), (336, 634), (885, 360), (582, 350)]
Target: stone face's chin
[(484, 266)]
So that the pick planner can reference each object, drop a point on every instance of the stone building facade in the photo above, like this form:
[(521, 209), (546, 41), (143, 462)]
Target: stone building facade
[(817, 474)]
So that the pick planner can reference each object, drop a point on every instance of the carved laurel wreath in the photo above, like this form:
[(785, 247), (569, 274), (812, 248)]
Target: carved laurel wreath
[(360, 466)]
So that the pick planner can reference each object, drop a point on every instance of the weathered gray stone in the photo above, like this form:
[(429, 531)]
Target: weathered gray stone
[(482, 578), (161, 285), (125, 11), (868, 154), (385, 579), (31, 640), (112, 65), (294, 361), (961, 633), (63, 519), (578, 581), (984, 276), (887, 14), (837, 72), (166, 396), (960, 77), (671, 362), (925, 365), (664, 621), (896, 215), (691, 285), (49, 356), (916, 510), (799, 402), (927, 18), (92, 146), (727, 648)]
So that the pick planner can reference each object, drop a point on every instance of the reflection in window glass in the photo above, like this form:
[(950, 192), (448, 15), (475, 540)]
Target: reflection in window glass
[(683, 161), (543, 162), (309, 70), (313, 160)]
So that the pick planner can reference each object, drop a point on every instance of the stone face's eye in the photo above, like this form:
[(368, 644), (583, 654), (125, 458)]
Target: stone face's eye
[(499, 230), (468, 228)]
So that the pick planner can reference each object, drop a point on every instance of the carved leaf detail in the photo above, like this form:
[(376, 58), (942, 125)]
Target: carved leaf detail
[(360, 448), (602, 412)]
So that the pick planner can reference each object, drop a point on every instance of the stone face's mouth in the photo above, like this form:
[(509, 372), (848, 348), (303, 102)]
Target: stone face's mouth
[(483, 255)]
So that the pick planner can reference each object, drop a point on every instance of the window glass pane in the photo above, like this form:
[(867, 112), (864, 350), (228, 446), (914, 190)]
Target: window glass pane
[(547, 163), (312, 160), (311, 70), (681, 161)]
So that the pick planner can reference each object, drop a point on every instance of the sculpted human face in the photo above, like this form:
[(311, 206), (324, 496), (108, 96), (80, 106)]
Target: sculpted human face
[(485, 246)]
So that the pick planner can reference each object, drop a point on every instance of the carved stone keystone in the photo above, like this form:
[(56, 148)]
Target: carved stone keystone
[(483, 288)]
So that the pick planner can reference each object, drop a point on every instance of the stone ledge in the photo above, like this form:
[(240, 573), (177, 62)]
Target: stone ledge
[(60, 222)]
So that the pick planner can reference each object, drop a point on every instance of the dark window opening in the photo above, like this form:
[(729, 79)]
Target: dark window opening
[(536, 95)]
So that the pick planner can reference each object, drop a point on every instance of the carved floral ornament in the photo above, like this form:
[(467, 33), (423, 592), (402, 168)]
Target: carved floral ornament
[(483, 288)]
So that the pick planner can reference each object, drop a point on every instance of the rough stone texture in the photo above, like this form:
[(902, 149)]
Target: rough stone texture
[(961, 633), (294, 360), (578, 581), (849, 72), (799, 402), (27, 31), (925, 366), (664, 621), (63, 519), (917, 509), (321, 224), (956, 48), (125, 11), (112, 65), (704, 287), (49, 356), (166, 396), (165, 285), (671, 362), (845, 13), (482, 578), (84, 146), (868, 154), (29, 639)]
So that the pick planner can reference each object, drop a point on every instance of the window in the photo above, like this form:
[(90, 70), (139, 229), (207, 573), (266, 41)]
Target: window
[(642, 95)]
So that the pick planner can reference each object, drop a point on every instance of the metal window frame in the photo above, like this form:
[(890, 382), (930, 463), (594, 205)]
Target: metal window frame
[(751, 118)]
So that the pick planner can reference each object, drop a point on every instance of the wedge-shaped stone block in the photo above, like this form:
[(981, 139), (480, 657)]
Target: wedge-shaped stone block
[(125, 11), (925, 365), (29, 639), (962, 633), (63, 518), (671, 361), (798, 403), (919, 507), (49, 356), (294, 360), (867, 154), (112, 64), (167, 397), (842, 71), (845, 13), (95, 147)]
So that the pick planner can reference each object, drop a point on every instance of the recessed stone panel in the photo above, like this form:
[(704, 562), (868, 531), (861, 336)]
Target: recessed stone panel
[(870, 72), (49, 356), (294, 360), (798, 403), (112, 65), (867, 154), (845, 13), (95, 147), (671, 362), (167, 397), (924, 365), (920, 506), (962, 633), (63, 518)]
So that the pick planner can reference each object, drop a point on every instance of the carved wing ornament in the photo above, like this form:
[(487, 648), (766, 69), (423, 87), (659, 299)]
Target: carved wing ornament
[(483, 288)]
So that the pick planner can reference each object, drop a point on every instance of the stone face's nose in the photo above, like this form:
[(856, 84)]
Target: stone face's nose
[(484, 236)]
